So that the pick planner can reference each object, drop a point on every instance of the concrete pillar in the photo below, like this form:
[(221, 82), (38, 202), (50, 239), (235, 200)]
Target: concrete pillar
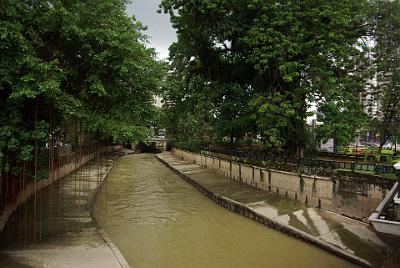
[(240, 172), (230, 169)]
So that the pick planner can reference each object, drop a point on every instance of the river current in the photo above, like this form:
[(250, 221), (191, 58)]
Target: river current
[(157, 219)]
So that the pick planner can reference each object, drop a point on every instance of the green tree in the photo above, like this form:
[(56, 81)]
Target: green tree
[(186, 110), (233, 115), (386, 93), (340, 119), (283, 54), (83, 61)]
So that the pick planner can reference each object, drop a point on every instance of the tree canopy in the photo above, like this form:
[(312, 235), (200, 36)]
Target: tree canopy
[(262, 63), (72, 60), (385, 90)]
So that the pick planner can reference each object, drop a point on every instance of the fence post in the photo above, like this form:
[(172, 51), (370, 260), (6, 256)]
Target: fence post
[(353, 166)]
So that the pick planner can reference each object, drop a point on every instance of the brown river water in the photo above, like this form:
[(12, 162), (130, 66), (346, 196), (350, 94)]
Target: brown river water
[(157, 219)]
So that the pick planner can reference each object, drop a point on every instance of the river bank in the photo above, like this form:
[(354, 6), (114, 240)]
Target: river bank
[(157, 219), (347, 238), (57, 229)]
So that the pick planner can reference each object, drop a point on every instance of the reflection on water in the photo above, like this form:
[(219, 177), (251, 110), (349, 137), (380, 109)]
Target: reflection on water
[(157, 219)]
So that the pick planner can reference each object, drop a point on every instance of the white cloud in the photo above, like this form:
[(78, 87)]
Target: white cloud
[(160, 31)]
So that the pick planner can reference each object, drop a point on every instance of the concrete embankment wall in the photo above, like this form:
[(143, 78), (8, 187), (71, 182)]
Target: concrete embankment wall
[(313, 190), (59, 173), (246, 210)]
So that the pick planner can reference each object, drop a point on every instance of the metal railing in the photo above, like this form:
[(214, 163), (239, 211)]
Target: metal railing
[(263, 155)]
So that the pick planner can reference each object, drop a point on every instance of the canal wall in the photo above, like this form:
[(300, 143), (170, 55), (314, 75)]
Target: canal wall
[(354, 198), (32, 187), (313, 190), (63, 227), (244, 209)]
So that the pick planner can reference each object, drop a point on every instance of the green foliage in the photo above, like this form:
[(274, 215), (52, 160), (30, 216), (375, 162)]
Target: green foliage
[(279, 112), (386, 63), (192, 146), (233, 115), (16, 137), (186, 110), (259, 64), (72, 60), (341, 117)]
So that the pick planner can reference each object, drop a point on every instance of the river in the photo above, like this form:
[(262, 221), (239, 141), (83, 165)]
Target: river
[(156, 219)]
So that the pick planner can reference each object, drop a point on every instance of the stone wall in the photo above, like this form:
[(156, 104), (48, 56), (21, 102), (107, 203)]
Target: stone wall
[(314, 190)]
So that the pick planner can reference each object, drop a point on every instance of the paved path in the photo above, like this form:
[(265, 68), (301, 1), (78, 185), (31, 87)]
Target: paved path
[(345, 234), (62, 234)]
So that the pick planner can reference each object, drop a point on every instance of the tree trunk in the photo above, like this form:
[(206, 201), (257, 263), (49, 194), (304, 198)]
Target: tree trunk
[(35, 173), (231, 141)]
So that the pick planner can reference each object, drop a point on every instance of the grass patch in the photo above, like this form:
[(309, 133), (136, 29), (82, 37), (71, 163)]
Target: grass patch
[(366, 172), (389, 176), (387, 151), (395, 160)]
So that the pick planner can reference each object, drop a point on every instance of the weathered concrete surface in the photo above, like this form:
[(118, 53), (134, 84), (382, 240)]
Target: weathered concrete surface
[(345, 237), (62, 233), (354, 198), (57, 174), (30, 189), (83, 249)]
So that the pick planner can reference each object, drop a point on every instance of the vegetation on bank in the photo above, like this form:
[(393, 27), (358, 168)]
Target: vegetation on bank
[(251, 71), (365, 174), (76, 71), (71, 73)]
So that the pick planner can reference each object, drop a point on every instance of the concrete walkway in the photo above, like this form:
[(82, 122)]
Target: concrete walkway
[(343, 236), (62, 233)]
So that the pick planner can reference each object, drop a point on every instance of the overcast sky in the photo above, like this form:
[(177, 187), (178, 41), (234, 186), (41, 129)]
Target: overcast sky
[(160, 32)]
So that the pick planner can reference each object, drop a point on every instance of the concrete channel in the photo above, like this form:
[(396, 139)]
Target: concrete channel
[(347, 238), (62, 231)]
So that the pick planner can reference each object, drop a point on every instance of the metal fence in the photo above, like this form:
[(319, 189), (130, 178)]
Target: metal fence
[(263, 155), (50, 156)]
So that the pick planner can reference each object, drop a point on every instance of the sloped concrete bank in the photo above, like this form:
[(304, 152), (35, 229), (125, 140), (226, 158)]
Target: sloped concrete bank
[(352, 198), (58, 174), (107, 240), (194, 175), (68, 236), (31, 188)]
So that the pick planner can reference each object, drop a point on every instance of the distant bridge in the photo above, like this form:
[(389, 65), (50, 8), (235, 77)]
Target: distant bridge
[(154, 144), (158, 142)]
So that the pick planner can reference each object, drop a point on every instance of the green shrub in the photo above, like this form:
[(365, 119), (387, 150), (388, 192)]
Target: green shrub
[(193, 146)]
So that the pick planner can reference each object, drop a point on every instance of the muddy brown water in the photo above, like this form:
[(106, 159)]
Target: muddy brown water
[(156, 219)]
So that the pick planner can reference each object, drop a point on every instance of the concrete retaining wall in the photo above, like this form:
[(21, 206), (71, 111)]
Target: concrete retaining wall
[(31, 188), (246, 211), (313, 190)]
